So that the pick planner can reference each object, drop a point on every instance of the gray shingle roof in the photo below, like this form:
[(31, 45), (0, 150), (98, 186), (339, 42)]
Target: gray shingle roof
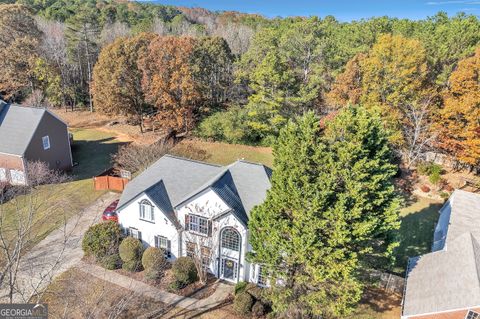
[(17, 126), (242, 185), (158, 194), (449, 277)]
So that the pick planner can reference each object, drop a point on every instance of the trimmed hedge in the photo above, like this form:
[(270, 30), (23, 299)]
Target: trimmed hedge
[(184, 271), (153, 258), (240, 287), (131, 250), (102, 240), (258, 309)]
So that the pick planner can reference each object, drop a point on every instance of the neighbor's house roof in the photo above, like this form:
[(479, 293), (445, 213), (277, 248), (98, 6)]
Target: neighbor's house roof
[(171, 181), (17, 127), (449, 277)]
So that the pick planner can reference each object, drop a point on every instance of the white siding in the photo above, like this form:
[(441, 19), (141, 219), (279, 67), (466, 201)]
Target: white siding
[(129, 216)]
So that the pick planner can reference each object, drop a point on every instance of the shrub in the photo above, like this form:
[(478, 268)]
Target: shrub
[(435, 177), (243, 303), (131, 251), (101, 240), (258, 309), (240, 287), (184, 271), (153, 274), (153, 257), (425, 188), (131, 265), (111, 262), (444, 195), (175, 285)]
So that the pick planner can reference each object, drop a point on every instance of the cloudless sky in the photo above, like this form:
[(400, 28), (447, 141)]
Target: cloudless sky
[(344, 10)]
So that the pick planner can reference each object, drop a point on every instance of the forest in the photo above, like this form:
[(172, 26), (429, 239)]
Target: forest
[(239, 78)]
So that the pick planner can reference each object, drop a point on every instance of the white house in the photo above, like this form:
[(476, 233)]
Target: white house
[(187, 207)]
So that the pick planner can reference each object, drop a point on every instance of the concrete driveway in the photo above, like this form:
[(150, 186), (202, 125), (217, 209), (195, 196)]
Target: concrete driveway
[(60, 250)]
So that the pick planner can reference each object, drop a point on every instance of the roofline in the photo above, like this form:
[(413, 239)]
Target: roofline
[(34, 131), (17, 155), (438, 312), (191, 160), (55, 116)]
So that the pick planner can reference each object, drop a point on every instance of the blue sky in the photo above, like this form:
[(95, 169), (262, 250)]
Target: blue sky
[(344, 10)]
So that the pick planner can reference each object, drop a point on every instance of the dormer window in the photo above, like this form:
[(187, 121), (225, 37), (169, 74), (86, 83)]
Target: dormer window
[(146, 211)]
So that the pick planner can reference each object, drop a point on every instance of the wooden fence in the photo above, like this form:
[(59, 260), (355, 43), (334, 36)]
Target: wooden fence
[(108, 180)]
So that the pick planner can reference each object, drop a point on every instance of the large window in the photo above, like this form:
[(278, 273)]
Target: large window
[(163, 243), (146, 211), (197, 224), (231, 239), (17, 177)]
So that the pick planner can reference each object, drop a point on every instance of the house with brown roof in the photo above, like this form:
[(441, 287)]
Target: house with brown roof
[(31, 134), (445, 284)]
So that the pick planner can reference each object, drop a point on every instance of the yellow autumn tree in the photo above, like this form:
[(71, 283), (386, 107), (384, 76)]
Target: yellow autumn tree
[(459, 120), (394, 75)]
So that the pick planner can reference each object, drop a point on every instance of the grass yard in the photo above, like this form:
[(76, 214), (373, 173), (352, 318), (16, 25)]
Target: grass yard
[(223, 153), (416, 231), (55, 203)]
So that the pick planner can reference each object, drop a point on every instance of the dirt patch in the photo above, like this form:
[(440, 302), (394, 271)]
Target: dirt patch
[(117, 125), (75, 294)]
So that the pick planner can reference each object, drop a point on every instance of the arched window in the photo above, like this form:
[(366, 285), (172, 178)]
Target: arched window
[(230, 239), (146, 211)]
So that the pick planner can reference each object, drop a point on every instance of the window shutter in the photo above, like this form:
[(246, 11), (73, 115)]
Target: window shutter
[(169, 249), (187, 222), (209, 228), (140, 235), (151, 212)]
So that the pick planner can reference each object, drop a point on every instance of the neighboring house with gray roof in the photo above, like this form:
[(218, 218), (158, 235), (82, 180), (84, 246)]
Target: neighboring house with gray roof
[(446, 282), (192, 208), (31, 134)]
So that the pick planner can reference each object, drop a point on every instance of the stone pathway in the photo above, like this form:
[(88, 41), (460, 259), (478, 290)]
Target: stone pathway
[(218, 297), (60, 250)]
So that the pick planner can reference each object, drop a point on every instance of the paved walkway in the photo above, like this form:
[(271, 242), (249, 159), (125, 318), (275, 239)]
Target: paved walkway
[(218, 297), (60, 250)]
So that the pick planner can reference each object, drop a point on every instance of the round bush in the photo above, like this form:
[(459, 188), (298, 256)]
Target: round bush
[(240, 287), (131, 249), (153, 274), (131, 266), (258, 309), (102, 239), (243, 303), (153, 259), (184, 271), (111, 262)]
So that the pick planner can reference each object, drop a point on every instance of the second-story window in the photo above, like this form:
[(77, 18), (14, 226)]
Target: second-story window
[(197, 224), (46, 142), (146, 211)]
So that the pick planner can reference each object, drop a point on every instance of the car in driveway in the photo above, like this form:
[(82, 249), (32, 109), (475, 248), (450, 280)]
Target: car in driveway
[(110, 213)]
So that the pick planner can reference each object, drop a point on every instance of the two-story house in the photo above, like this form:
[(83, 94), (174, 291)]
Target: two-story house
[(178, 204), (31, 134)]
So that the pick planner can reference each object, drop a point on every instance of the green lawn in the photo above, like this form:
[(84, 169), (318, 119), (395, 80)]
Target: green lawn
[(416, 231), (223, 153), (53, 204)]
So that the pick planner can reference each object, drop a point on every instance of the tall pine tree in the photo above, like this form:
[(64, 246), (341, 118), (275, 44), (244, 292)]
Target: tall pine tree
[(331, 211)]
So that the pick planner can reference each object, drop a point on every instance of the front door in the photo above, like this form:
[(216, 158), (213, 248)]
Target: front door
[(229, 269)]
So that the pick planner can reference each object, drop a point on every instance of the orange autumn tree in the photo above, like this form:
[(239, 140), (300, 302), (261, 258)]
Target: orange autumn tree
[(117, 85), (459, 121), (347, 88), (168, 81)]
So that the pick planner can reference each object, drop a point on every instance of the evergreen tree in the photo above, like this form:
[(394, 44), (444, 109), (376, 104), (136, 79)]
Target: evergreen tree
[(330, 212)]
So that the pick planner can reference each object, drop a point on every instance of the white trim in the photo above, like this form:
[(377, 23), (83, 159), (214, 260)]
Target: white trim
[(10, 154), (438, 312)]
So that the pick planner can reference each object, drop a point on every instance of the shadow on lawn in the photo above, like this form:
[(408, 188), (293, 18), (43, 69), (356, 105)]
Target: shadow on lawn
[(416, 234), (93, 156), (380, 300)]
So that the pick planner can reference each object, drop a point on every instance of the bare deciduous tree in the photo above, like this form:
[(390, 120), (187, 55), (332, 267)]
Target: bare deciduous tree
[(111, 31)]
